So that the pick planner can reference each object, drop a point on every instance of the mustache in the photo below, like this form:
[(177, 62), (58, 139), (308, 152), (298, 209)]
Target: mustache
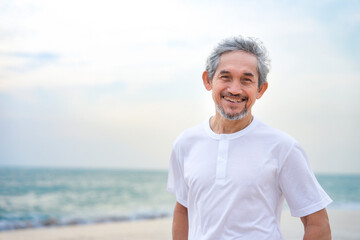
[(234, 95)]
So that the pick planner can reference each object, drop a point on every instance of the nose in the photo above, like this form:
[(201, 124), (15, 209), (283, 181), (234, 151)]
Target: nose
[(235, 88)]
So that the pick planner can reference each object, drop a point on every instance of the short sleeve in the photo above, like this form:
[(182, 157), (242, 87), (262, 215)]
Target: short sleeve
[(176, 183), (299, 185)]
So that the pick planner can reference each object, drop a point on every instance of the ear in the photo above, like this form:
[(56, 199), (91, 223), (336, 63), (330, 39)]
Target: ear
[(262, 90), (206, 80)]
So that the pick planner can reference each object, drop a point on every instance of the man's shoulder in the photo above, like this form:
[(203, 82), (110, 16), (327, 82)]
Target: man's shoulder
[(191, 133), (270, 132)]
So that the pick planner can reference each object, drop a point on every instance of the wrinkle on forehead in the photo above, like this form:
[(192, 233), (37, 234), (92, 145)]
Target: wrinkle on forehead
[(238, 62)]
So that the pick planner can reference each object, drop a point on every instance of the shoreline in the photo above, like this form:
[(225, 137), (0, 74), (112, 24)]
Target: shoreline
[(344, 223), (54, 223)]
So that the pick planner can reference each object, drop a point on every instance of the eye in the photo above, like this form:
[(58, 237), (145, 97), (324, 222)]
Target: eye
[(225, 77)]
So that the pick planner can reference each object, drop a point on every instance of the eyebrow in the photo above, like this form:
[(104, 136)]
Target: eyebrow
[(224, 72), (249, 74), (246, 74)]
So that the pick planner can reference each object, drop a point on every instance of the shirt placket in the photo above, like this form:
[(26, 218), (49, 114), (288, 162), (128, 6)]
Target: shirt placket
[(222, 158)]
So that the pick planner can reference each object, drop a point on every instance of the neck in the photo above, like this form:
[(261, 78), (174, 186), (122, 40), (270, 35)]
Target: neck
[(221, 125)]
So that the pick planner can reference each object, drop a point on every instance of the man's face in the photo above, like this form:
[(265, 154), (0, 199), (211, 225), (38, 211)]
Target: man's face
[(235, 84)]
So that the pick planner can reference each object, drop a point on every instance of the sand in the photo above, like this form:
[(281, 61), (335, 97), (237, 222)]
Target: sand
[(345, 226)]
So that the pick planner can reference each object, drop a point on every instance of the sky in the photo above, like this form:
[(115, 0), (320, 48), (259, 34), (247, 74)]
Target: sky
[(111, 84)]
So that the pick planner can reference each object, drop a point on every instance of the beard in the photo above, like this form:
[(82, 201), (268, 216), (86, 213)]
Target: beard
[(235, 116)]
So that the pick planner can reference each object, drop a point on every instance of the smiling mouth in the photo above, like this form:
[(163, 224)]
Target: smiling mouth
[(234, 99)]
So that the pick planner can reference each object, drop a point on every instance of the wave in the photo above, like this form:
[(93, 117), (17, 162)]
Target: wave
[(57, 222)]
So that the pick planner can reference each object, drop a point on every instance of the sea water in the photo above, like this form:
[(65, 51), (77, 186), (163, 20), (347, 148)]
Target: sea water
[(39, 197)]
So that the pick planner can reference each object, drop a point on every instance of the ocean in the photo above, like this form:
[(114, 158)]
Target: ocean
[(45, 197)]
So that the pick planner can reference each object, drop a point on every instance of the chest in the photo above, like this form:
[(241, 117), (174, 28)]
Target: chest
[(240, 166)]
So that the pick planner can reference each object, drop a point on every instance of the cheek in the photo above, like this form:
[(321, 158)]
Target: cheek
[(216, 97), (216, 94), (252, 99), (251, 96)]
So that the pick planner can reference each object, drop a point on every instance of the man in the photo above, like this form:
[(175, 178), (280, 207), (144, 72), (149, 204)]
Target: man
[(231, 174)]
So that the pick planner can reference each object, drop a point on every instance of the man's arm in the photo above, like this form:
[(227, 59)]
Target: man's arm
[(180, 223), (317, 226)]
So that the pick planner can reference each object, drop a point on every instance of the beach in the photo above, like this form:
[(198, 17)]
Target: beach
[(344, 223)]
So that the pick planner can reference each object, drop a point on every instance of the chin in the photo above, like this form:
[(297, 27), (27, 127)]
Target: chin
[(232, 116)]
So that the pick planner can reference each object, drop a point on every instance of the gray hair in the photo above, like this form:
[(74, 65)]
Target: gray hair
[(251, 45)]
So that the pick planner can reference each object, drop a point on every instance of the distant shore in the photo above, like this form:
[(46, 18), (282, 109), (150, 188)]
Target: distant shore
[(345, 226)]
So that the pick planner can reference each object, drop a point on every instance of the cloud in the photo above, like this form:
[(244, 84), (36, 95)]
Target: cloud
[(113, 41), (25, 62), (109, 73)]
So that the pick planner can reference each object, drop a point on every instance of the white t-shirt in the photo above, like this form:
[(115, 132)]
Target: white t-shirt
[(234, 185)]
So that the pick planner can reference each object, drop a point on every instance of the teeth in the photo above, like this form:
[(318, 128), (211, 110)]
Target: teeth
[(234, 99)]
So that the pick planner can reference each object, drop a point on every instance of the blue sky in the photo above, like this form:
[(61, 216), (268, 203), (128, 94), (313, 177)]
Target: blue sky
[(112, 83)]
